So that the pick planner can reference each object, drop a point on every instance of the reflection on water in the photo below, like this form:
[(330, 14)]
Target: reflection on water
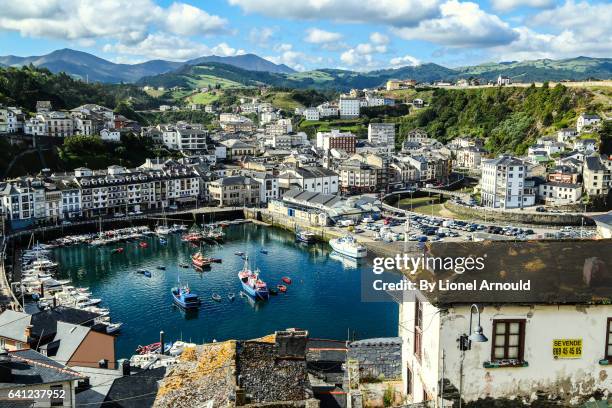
[(324, 297)]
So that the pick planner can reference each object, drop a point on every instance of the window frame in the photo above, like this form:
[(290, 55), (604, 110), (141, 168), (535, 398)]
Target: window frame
[(521, 343), (608, 355)]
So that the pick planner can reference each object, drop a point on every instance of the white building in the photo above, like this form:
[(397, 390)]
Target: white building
[(11, 119), (503, 80), (336, 140), (268, 189), (311, 114), (381, 133), (503, 183), (313, 179), (555, 193), (349, 107), (585, 120), (549, 340)]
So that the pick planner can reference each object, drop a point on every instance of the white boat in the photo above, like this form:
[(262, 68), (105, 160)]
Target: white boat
[(113, 327), (162, 230), (178, 347), (348, 246)]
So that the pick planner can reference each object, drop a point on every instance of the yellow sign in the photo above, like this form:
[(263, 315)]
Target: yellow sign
[(567, 348)]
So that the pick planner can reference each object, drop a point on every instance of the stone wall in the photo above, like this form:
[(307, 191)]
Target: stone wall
[(522, 217), (378, 358)]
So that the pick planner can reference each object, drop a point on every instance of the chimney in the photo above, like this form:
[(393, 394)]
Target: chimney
[(28, 332), (54, 302), (6, 374), (126, 368), (291, 344)]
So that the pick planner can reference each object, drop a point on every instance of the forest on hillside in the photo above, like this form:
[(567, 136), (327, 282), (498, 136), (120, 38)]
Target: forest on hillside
[(509, 118)]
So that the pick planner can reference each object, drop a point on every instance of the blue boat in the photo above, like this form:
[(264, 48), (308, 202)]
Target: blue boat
[(251, 284), (147, 274), (183, 297)]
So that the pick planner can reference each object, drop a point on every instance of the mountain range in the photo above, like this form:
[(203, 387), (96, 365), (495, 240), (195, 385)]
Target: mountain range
[(250, 69)]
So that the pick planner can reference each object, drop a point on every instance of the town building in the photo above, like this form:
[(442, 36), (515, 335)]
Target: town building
[(235, 191), (596, 175), (381, 133), (313, 179), (336, 140), (503, 80), (503, 183), (469, 157), (11, 119), (311, 114), (395, 84), (556, 193), (586, 121), (349, 107)]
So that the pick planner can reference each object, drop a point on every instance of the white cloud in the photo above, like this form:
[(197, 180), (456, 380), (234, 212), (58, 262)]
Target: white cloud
[(317, 36), (378, 38), (395, 12), (461, 25), (170, 47), (184, 19), (128, 21), (507, 5), (261, 36), (581, 29), (292, 58), (405, 60)]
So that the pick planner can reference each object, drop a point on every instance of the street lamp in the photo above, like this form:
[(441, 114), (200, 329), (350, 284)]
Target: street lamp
[(465, 343)]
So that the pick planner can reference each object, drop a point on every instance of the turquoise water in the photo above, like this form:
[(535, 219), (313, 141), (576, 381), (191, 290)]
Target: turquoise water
[(325, 296)]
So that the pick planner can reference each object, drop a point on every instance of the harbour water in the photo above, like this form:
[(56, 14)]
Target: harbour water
[(324, 297)]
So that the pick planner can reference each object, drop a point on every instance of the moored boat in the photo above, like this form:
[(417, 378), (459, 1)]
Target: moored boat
[(305, 236), (216, 297), (348, 246), (281, 288), (251, 283), (200, 261), (183, 297), (286, 279), (113, 327)]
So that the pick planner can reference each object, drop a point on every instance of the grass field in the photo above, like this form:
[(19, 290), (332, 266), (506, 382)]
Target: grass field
[(426, 206), (204, 98), (204, 80), (283, 100), (155, 93)]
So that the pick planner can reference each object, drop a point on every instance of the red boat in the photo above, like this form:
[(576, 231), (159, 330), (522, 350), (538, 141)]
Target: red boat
[(191, 237), (143, 244), (200, 260), (286, 279), (282, 288), (117, 250), (151, 348)]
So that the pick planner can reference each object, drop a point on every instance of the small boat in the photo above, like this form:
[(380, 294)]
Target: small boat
[(231, 297), (286, 279), (141, 271), (251, 283), (117, 250), (161, 268), (239, 253), (348, 246), (113, 328), (183, 297), (216, 297), (273, 291), (281, 288), (143, 244), (264, 251), (305, 236), (163, 241), (200, 261), (147, 274), (151, 348)]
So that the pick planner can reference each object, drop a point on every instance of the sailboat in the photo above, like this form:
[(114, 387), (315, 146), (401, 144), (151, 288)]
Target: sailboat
[(251, 284), (163, 229)]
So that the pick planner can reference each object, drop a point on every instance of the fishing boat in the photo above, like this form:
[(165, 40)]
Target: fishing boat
[(231, 297), (348, 246), (143, 244), (305, 236), (251, 283), (191, 237), (183, 297), (281, 288), (286, 279), (117, 250), (216, 297), (113, 328), (200, 261)]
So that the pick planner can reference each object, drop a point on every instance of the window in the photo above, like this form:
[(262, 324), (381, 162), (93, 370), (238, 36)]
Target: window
[(408, 381), (508, 340), (418, 329), (609, 339)]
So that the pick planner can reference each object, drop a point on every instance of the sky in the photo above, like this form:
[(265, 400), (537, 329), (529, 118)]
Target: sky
[(359, 35)]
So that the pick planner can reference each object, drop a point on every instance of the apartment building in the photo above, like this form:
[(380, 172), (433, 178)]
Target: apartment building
[(310, 178), (596, 175), (268, 189), (235, 191), (381, 133), (311, 114), (349, 107), (469, 157), (556, 193), (11, 119), (336, 140), (503, 183), (57, 124)]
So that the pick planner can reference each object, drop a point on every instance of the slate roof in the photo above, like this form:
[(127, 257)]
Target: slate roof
[(136, 390), (13, 324), (46, 321), (68, 338), (605, 219), (594, 164), (29, 367)]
